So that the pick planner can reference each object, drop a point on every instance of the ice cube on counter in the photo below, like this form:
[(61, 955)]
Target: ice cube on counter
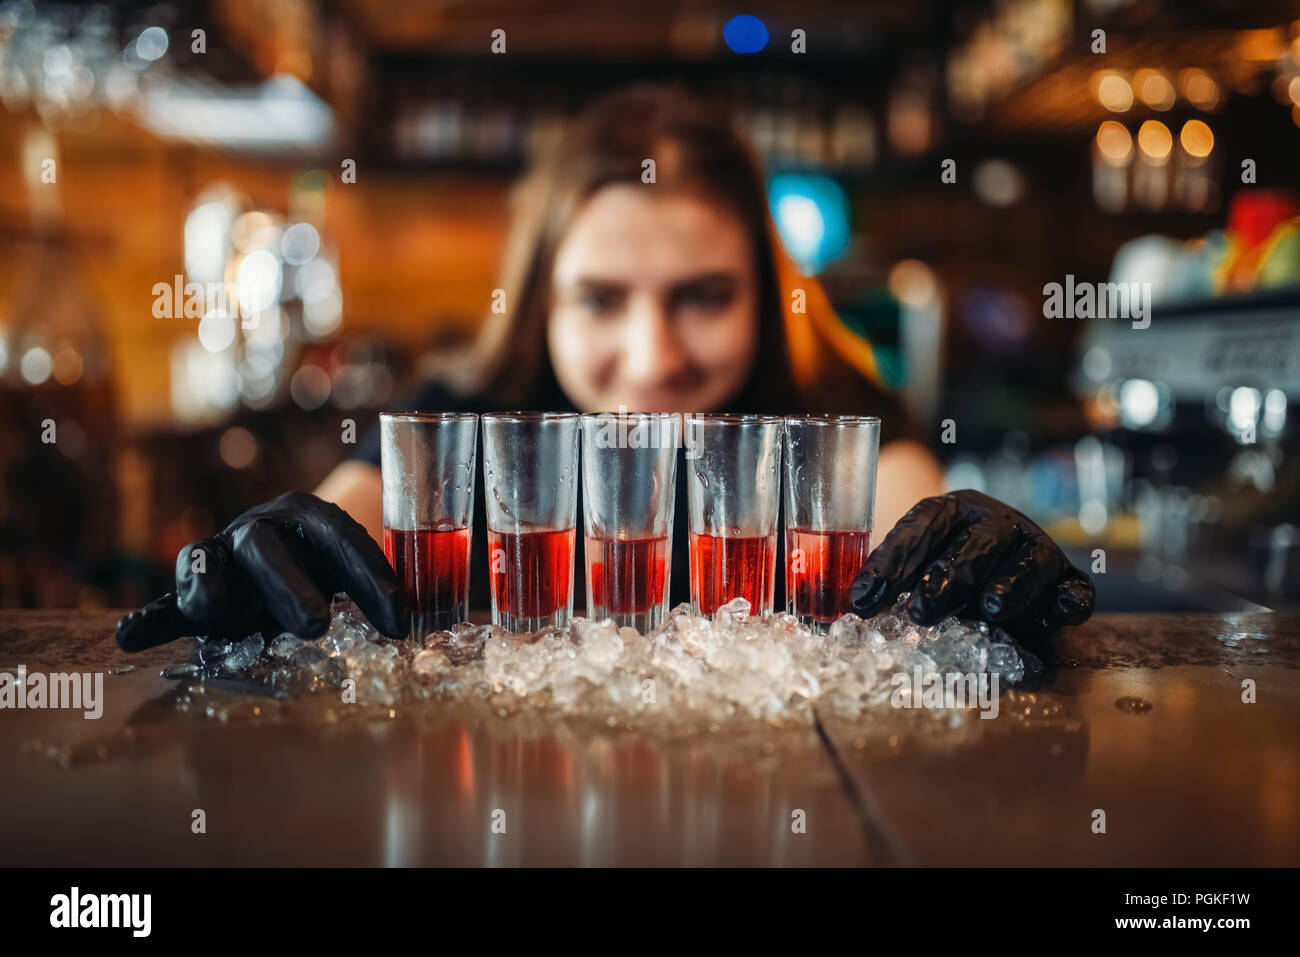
[(732, 666)]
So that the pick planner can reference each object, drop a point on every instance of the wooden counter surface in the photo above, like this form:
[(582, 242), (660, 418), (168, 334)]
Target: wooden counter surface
[(1197, 778)]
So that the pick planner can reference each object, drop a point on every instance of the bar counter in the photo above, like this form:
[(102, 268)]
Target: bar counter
[(1138, 716)]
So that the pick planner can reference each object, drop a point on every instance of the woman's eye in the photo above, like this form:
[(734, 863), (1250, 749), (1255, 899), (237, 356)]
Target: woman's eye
[(601, 304)]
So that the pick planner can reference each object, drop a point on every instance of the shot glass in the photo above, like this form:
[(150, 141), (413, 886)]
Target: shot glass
[(830, 502), (733, 480), (427, 464), (629, 471), (530, 478)]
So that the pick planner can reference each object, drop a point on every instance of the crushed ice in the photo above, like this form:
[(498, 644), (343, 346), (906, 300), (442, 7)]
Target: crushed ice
[(732, 666)]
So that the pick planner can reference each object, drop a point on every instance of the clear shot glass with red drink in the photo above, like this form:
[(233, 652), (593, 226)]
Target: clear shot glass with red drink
[(830, 502), (733, 474), (530, 481), (629, 474), (427, 462)]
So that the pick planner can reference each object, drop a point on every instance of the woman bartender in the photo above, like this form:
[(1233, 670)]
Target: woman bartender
[(667, 295)]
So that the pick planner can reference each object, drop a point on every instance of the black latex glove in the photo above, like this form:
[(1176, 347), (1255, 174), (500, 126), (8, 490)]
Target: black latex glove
[(968, 555), (273, 569)]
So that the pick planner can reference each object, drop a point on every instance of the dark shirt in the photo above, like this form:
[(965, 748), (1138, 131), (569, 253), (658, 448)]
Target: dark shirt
[(548, 397)]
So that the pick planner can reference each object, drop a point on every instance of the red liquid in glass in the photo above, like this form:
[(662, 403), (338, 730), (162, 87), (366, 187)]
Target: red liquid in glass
[(819, 568), (627, 575), (433, 566), (531, 572), (727, 568)]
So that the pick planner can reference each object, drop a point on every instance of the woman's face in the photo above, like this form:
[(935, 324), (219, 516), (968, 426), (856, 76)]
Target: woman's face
[(654, 303)]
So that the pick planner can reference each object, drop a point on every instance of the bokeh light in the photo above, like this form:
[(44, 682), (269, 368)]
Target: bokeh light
[(912, 283), (1243, 407), (238, 447), (151, 44), (1196, 139), (1114, 142), (253, 230), (259, 282), (35, 365), (1112, 91), (217, 331), (1154, 89), (207, 231), (310, 387), (67, 366), (299, 244), (998, 183), (812, 216), (1199, 89), (1155, 141)]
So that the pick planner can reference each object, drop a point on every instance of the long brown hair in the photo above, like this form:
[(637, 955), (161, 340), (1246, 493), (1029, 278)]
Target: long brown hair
[(695, 147)]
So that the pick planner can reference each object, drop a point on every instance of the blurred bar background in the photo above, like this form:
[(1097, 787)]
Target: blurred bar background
[(146, 147)]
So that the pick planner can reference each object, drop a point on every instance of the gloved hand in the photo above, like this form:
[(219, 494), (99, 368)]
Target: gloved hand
[(273, 569), (968, 555)]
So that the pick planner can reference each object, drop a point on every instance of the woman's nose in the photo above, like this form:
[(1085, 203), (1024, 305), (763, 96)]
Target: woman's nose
[(653, 353)]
